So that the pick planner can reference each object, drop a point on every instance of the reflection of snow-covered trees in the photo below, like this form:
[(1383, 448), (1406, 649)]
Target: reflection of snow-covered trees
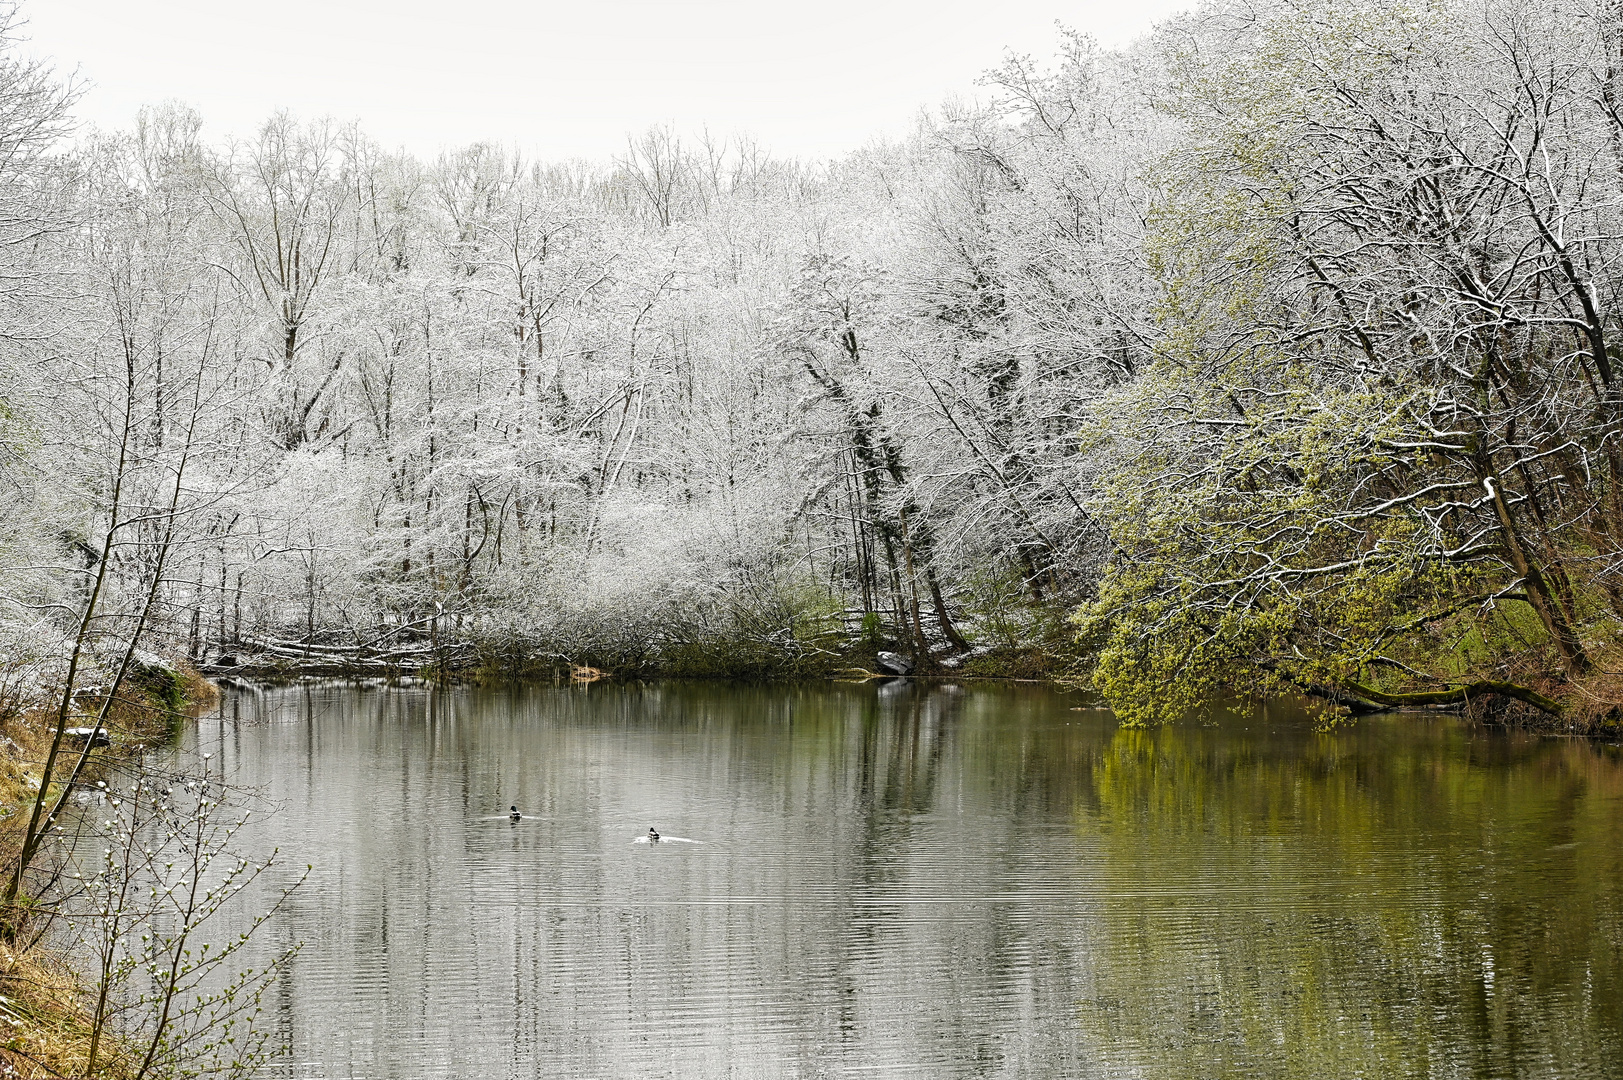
[(1281, 342)]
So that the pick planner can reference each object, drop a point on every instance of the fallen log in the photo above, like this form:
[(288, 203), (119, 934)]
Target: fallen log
[(1458, 695)]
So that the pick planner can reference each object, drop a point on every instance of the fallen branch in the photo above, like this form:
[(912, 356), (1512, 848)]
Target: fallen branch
[(1458, 695)]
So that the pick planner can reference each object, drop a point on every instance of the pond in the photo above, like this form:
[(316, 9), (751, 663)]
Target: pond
[(915, 879)]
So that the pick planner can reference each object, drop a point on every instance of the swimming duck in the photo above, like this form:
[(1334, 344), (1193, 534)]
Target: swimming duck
[(514, 814), (653, 835)]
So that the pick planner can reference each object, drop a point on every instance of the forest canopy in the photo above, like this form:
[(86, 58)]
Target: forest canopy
[(1276, 353)]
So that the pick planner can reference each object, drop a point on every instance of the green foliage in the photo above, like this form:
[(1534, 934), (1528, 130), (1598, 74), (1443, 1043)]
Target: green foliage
[(1242, 568), (1330, 471)]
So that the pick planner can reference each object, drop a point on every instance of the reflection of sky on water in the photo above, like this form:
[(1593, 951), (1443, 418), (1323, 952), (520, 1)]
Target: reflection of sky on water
[(904, 880)]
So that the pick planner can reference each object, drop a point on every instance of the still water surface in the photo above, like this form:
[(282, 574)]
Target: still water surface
[(918, 880)]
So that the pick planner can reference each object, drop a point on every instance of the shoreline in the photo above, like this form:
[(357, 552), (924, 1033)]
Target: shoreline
[(45, 993), (1475, 713)]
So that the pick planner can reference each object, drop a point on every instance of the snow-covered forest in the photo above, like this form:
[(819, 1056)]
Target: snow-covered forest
[(1277, 352)]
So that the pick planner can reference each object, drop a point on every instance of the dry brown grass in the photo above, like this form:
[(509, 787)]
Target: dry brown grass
[(44, 1027), (44, 1030)]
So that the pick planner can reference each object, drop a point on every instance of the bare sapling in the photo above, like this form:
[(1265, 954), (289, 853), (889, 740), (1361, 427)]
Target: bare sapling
[(155, 874)]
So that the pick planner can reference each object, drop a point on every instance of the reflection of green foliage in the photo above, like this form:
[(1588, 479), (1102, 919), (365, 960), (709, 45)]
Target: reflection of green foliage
[(1043, 893), (1356, 905), (1398, 898)]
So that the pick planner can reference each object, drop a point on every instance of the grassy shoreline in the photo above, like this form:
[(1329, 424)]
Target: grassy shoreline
[(44, 1021)]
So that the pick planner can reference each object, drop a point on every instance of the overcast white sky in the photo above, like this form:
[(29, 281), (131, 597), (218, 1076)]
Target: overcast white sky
[(558, 79)]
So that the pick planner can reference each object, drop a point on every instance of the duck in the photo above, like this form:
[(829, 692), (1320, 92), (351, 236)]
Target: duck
[(653, 835), (514, 815)]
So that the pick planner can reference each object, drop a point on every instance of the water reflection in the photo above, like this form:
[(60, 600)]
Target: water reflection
[(934, 881)]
